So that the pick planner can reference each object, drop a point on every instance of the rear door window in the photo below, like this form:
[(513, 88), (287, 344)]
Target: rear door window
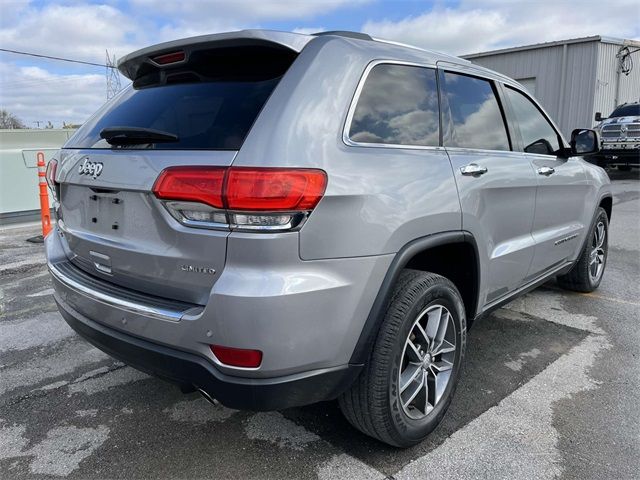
[(538, 136), (398, 105), (475, 113)]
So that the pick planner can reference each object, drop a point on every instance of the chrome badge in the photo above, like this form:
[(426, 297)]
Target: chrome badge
[(93, 169), (198, 269)]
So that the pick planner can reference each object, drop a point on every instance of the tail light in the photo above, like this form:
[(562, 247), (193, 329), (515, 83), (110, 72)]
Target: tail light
[(50, 173), (267, 199), (50, 176)]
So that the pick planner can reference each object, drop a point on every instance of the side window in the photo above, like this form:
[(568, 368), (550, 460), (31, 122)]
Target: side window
[(475, 114), (538, 136), (398, 105)]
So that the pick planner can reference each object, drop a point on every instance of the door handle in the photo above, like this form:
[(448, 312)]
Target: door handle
[(546, 171), (473, 169)]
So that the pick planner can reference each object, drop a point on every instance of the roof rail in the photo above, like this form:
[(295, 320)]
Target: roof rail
[(344, 33)]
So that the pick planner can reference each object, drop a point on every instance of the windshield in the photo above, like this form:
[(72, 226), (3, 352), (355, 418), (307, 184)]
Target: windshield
[(626, 111)]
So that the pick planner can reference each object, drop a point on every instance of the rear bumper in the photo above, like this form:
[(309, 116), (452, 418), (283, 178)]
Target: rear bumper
[(191, 370)]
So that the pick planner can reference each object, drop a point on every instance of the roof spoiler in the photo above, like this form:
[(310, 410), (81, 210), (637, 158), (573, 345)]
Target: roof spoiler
[(178, 51)]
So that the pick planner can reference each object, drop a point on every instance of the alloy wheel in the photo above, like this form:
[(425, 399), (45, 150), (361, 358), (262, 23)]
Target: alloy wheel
[(597, 255), (427, 361)]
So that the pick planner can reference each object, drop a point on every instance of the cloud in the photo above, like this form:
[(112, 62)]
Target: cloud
[(480, 25), (81, 32), (34, 94), (308, 30), (245, 11)]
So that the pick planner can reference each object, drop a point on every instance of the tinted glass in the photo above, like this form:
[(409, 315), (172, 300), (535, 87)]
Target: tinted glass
[(626, 111), (209, 115), (538, 136), (398, 105), (475, 114)]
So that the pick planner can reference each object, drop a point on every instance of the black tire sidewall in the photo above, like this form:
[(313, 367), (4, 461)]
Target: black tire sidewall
[(410, 430)]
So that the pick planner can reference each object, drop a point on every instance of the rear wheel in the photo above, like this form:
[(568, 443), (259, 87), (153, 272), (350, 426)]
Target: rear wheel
[(587, 273), (412, 372)]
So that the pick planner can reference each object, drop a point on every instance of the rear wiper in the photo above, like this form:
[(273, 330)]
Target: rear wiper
[(136, 136)]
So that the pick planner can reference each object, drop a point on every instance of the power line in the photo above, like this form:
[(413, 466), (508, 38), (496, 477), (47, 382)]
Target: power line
[(57, 58)]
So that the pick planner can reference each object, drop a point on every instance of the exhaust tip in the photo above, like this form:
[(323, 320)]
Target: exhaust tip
[(208, 397)]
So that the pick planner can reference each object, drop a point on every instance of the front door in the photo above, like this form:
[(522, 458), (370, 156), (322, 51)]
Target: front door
[(562, 187)]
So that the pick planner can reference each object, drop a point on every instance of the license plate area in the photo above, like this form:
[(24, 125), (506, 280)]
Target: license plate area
[(105, 211)]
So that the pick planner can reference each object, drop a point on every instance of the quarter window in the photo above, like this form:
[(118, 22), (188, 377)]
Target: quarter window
[(398, 105), (476, 117), (538, 136)]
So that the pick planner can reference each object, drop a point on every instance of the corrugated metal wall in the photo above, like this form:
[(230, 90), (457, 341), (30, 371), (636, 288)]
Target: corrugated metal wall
[(629, 89), (571, 108), (541, 64)]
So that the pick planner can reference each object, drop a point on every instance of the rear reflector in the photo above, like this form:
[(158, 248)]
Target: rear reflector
[(237, 357), (167, 58)]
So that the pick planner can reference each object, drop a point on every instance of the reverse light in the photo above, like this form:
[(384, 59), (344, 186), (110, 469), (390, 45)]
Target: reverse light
[(246, 198), (237, 357)]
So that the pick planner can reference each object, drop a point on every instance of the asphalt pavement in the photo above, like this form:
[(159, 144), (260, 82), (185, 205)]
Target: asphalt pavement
[(551, 388)]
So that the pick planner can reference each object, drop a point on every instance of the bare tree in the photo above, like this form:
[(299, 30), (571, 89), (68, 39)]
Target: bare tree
[(9, 120)]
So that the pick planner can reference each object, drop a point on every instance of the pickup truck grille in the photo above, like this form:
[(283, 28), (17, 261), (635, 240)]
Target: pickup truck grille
[(630, 130)]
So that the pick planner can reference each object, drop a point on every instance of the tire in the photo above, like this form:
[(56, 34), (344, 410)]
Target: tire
[(587, 273), (374, 403)]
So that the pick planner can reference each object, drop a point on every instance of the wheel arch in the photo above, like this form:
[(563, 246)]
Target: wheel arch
[(606, 202), (428, 253)]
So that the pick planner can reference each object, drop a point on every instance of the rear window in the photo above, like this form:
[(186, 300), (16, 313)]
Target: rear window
[(210, 103)]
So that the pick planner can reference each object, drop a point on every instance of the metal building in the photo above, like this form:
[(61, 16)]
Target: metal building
[(572, 79)]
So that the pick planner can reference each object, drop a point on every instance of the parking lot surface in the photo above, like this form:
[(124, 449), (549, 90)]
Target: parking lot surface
[(551, 388)]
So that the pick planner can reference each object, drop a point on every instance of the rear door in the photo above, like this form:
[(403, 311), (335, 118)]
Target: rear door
[(114, 226), (558, 225), (496, 185)]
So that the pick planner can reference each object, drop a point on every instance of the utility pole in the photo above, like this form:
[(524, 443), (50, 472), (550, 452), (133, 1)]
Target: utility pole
[(113, 79)]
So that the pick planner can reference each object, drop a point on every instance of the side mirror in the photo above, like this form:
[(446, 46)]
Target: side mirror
[(599, 117), (584, 142)]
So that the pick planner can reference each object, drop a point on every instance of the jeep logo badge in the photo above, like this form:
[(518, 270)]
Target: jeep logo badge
[(93, 169)]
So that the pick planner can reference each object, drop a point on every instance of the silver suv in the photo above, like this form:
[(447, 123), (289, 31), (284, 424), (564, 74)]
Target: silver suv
[(277, 219)]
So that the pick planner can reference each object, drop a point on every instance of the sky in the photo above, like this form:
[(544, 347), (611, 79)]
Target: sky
[(38, 90)]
